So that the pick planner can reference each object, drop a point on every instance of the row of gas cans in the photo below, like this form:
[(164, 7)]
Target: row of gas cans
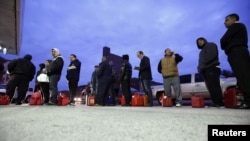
[(230, 99), (197, 101)]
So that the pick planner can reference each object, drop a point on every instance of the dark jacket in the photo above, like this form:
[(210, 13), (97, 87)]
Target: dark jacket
[(208, 56), (56, 66), (42, 66), (74, 74), (94, 80), (126, 71), (145, 69), (235, 36), (105, 71), (22, 66)]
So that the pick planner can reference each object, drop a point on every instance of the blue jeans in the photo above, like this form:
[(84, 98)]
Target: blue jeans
[(147, 89)]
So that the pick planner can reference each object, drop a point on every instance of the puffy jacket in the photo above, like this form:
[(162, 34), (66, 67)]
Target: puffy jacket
[(126, 71), (168, 65)]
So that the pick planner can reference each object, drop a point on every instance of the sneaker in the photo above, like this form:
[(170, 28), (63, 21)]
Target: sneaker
[(51, 103), (242, 106), (178, 105), (72, 104), (97, 104)]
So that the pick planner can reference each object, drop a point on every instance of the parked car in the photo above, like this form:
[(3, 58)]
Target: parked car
[(192, 84), (27, 97), (2, 89)]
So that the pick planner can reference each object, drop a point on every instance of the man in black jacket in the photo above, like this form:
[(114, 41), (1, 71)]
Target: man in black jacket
[(209, 67), (54, 71), (145, 76), (125, 78), (94, 80), (234, 43), (73, 75), (22, 71), (104, 79)]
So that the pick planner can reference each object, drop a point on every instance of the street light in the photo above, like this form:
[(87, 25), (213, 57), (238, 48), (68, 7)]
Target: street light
[(4, 49)]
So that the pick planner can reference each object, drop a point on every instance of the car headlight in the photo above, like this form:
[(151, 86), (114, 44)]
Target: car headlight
[(77, 99)]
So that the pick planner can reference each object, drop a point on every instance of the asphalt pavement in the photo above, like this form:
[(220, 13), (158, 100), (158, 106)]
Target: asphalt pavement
[(113, 123)]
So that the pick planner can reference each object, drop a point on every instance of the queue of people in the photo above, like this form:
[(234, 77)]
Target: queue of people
[(234, 42)]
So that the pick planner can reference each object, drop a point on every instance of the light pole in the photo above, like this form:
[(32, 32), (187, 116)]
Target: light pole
[(4, 49)]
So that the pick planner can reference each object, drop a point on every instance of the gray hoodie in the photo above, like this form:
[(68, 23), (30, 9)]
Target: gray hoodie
[(208, 56)]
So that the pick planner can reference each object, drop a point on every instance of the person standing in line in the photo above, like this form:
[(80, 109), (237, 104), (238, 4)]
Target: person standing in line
[(21, 71), (235, 44), (104, 79), (37, 84), (94, 80), (169, 70), (145, 76), (125, 78), (209, 68), (73, 75), (44, 86), (111, 91), (54, 72)]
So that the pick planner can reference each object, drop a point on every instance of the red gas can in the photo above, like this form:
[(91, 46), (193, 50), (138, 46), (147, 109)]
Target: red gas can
[(123, 101), (145, 99), (91, 100), (197, 101), (137, 100), (166, 101), (36, 99), (4, 99), (230, 99), (63, 99)]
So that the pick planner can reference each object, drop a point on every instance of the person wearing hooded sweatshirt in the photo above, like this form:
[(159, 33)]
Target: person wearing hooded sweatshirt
[(235, 44), (208, 66), (169, 70), (21, 71), (54, 71)]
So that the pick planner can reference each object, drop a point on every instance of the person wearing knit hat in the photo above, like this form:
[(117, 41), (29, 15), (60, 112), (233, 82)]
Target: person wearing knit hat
[(54, 71), (27, 57), (125, 77), (125, 57)]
